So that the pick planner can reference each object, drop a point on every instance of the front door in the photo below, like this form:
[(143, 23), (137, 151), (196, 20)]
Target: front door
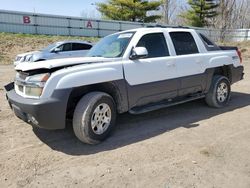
[(151, 79), (65, 51)]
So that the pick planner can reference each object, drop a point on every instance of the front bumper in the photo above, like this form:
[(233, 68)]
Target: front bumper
[(47, 113)]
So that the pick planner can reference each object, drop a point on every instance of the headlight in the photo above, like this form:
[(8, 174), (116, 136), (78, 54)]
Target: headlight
[(38, 78), (18, 58), (35, 84), (22, 59), (29, 58), (32, 86), (33, 91)]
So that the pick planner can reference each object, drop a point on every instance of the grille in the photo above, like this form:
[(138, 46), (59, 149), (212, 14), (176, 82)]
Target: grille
[(18, 58)]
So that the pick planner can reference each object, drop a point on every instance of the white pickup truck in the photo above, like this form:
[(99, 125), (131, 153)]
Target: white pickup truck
[(132, 71)]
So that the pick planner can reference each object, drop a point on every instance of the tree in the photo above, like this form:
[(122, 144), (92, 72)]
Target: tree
[(166, 6), (129, 10), (201, 12), (232, 15), (169, 8)]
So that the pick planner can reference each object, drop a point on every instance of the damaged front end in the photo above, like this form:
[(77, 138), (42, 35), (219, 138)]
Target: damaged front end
[(23, 96)]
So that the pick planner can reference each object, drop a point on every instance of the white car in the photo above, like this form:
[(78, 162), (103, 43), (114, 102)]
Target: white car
[(133, 71), (62, 49)]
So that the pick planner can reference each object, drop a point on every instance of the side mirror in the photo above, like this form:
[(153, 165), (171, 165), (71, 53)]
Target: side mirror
[(56, 50), (138, 53)]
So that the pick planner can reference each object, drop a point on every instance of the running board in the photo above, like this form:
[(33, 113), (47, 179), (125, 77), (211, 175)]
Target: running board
[(160, 105)]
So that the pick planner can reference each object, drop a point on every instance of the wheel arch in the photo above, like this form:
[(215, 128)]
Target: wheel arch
[(115, 89), (225, 70)]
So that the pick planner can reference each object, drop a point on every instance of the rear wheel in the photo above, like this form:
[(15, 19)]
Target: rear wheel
[(219, 92), (94, 117)]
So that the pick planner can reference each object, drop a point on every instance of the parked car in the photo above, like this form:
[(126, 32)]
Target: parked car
[(133, 71), (62, 49)]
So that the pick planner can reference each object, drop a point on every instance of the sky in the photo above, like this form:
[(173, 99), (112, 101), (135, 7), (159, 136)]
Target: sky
[(58, 7), (82, 8)]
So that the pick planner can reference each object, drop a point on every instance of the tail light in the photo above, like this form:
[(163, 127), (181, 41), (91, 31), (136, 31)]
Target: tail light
[(239, 54)]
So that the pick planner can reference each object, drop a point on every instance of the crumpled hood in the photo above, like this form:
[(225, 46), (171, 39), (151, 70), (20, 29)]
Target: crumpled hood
[(54, 63)]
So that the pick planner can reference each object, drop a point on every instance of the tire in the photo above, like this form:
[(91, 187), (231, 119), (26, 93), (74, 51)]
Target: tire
[(219, 92), (94, 117)]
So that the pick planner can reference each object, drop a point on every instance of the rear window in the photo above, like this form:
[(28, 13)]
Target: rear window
[(184, 43), (210, 46)]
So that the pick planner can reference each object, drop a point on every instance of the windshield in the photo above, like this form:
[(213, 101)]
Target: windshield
[(50, 47), (111, 46)]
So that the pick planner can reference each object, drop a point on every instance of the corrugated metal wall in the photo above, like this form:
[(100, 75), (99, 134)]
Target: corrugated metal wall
[(24, 22)]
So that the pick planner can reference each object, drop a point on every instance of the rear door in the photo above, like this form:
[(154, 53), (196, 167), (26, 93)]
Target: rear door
[(151, 79), (189, 63)]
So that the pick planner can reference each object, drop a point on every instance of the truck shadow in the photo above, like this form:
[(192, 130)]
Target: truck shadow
[(134, 128)]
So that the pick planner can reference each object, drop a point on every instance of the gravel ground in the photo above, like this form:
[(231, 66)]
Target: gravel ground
[(190, 145)]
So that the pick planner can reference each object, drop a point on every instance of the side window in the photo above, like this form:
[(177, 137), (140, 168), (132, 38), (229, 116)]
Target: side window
[(155, 43), (65, 47), (210, 46), (206, 40), (79, 46), (184, 43)]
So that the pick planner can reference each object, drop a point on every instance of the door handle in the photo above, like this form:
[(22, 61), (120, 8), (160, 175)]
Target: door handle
[(170, 64)]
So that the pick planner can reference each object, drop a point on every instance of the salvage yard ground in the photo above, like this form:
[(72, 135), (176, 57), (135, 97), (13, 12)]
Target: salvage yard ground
[(189, 145)]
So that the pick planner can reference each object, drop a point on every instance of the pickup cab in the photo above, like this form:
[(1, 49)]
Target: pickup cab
[(133, 71)]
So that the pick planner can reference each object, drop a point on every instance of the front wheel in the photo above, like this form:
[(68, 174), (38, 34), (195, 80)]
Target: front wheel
[(94, 117), (219, 92)]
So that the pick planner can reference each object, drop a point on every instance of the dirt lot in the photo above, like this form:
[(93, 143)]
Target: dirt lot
[(189, 145)]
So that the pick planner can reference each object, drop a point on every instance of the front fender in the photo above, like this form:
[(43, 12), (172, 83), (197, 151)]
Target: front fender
[(87, 77), (83, 75)]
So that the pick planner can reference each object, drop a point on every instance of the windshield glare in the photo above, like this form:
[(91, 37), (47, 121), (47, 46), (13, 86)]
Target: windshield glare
[(111, 46), (50, 47)]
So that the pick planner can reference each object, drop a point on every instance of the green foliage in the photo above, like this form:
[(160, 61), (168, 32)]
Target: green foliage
[(201, 12), (129, 10)]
